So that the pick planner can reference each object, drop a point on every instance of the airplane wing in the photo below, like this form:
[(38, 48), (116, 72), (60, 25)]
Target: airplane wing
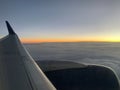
[(18, 71)]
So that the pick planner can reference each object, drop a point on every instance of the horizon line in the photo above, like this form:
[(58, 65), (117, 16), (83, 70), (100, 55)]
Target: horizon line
[(34, 40), (72, 42)]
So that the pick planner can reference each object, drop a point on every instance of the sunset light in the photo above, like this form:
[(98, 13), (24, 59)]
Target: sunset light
[(63, 20), (36, 40)]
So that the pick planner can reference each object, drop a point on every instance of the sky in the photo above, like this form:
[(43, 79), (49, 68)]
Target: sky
[(62, 20)]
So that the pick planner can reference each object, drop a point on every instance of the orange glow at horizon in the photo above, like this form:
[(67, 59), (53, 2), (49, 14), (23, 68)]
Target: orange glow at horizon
[(47, 40), (33, 40)]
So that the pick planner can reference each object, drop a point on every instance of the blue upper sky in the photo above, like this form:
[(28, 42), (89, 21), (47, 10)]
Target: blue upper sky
[(62, 19)]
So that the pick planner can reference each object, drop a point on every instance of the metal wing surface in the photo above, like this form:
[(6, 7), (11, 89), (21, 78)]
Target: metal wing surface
[(18, 71)]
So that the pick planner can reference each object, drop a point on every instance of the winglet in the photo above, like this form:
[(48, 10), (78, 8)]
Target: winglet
[(10, 30)]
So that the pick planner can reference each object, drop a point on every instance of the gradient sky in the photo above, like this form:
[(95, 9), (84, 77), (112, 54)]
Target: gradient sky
[(62, 20)]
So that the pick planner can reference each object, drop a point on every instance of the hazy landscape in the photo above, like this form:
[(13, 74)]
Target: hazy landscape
[(107, 54)]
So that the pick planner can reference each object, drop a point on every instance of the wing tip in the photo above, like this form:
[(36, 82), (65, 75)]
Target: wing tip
[(10, 30)]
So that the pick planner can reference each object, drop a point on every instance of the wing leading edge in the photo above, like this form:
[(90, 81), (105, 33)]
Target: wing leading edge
[(18, 71)]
